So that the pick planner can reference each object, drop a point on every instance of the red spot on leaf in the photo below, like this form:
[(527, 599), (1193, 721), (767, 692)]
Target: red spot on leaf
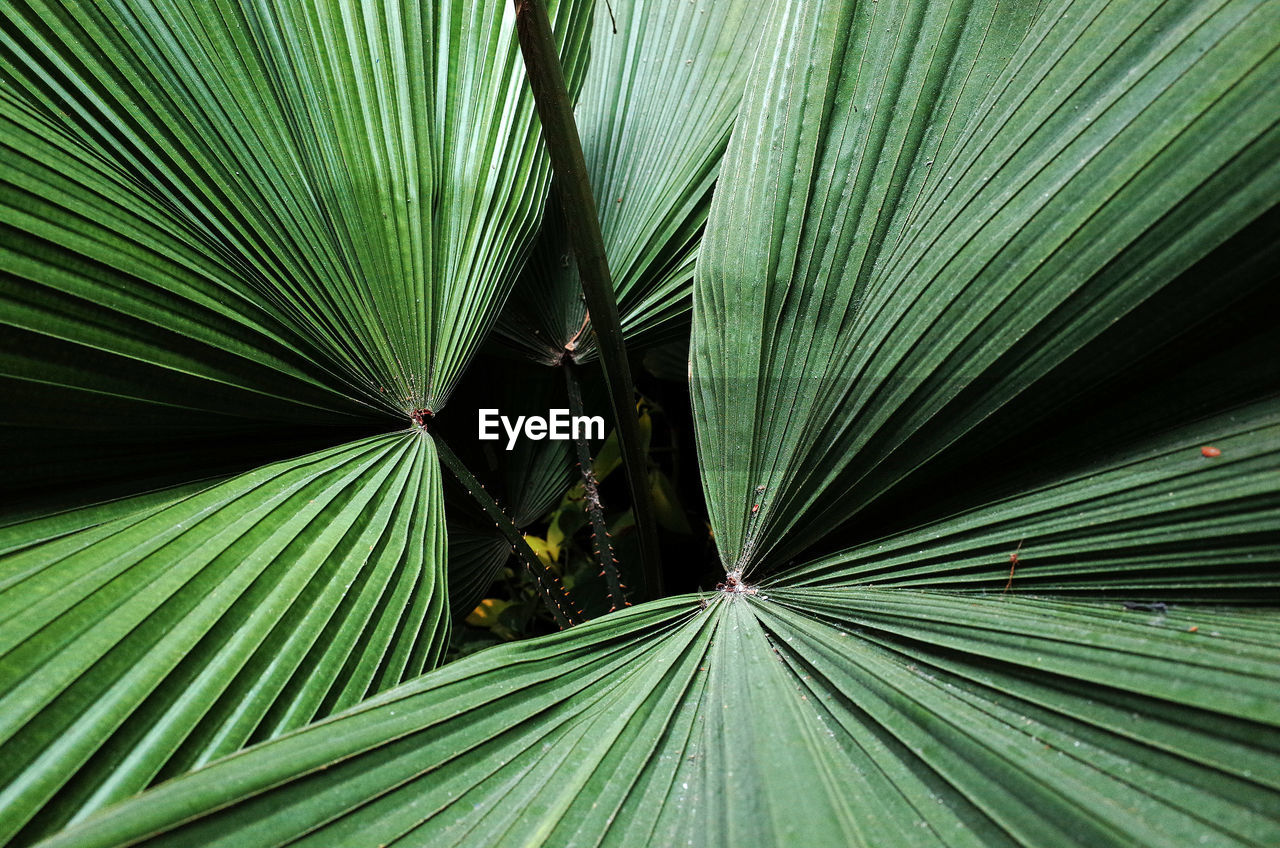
[(1210, 450)]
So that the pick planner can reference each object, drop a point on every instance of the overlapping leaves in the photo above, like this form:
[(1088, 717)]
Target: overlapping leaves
[(655, 113), (236, 224), (925, 208)]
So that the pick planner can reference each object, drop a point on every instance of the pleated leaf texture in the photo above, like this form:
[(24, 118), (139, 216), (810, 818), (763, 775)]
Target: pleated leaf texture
[(365, 177), (222, 220), (152, 643), (946, 212), (931, 219), (656, 109)]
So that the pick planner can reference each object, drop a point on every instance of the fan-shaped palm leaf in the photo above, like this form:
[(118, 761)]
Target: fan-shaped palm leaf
[(218, 217), (656, 109), (923, 210)]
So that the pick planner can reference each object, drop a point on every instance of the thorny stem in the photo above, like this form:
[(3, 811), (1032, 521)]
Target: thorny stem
[(601, 548), (552, 593), (555, 108)]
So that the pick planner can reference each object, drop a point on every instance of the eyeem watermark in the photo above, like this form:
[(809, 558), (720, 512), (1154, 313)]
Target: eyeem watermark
[(558, 425)]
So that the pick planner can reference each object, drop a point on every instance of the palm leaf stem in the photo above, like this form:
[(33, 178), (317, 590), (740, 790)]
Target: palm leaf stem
[(550, 589), (555, 108), (601, 548)]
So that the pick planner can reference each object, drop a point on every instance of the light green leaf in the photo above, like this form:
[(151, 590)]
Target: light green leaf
[(23, 533), (361, 181), (654, 115), (154, 642), (817, 717)]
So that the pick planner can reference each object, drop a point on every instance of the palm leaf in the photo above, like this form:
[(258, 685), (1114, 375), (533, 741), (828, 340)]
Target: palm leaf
[(863, 699), (655, 112), (935, 215), (117, 324), (151, 643), (1158, 519), (237, 220), (342, 160), (848, 716), (24, 531)]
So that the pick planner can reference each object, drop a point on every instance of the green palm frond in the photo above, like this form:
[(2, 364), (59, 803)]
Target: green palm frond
[(1157, 519), (332, 166), (149, 644), (655, 113), (932, 212), (927, 211), (220, 219), (836, 716)]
